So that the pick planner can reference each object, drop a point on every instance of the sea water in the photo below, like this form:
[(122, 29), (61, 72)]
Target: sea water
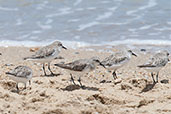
[(78, 23)]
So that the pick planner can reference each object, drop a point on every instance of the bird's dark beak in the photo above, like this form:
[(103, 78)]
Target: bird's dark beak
[(8, 73), (102, 65), (64, 47), (134, 54)]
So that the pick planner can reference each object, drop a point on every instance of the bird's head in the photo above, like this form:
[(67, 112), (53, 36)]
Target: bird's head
[(132, 53), (96, 61), (58, 45)]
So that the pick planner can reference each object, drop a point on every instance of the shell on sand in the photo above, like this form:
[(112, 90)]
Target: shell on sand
[(34, 49)]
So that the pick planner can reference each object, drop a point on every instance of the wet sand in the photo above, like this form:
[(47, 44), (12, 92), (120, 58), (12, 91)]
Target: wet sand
[(132, 93)]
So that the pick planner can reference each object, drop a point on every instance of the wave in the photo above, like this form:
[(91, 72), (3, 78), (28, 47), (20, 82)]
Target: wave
[(77, 44), (141, 42), (71, 44)]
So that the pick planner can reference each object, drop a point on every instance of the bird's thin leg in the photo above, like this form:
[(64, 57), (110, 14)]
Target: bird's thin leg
[(79, 80), (114, 75), (52, 74), (72, 79), (44, 69), (29, 82), (152, 75), (157, 77), (50, 69)]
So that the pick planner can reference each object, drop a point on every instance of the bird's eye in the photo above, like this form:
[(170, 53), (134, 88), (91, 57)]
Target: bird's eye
[(97, 61), (167, 54), (130, 51)]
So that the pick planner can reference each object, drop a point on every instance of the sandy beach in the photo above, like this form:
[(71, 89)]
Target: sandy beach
[(132, 93)]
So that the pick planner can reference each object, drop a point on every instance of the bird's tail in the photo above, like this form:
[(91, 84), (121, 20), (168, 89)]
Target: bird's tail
[(143, 66), (26, 58), (60, 65), (9, 73)]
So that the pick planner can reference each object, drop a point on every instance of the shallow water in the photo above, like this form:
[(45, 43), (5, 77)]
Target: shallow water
[(85, 22)]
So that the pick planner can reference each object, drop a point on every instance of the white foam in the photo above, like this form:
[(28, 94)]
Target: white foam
[(69, 44), (118, 0), (24, 36), (49, 21), (156, 33), (73, 20), (92, 8), (104, 2), (79, 9), (122, 37), (163, 37), (8, 9), (131, 12), (44, 26), (132, 29), (163, 29), (77, 2), (85, 26), (62, 11), (140, 42), (7, 43), (33, 37), (104, 16), (124, 23), (36, 32), (77, 37), (169, 23), (147, 26), (42, 5), (112, 8), (134, 35), (19, 22), (151, 3), (75, 44), (107, 14)]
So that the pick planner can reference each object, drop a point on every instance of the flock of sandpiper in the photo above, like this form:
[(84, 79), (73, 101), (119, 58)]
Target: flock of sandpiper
[(23, 74)]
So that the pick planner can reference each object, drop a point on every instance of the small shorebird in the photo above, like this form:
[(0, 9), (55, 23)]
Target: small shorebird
[(155, 63), (21, 74), (117, 60), (47, 54), (80, 67)]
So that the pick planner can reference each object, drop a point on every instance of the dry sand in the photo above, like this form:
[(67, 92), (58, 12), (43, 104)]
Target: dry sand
[(132, 93)]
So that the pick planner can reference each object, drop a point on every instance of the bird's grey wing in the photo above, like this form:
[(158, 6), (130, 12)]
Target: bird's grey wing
[(19, 74), (23, 74), (113, 60), (21, 71), (155, 62), (107, 60), (43, 53), (76, 66)]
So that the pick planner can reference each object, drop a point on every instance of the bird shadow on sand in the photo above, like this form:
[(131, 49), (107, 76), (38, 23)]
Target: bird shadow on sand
[(49, 75), (15, 91), (105, 81), (77, 87), (164, 81), (148, 87)]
